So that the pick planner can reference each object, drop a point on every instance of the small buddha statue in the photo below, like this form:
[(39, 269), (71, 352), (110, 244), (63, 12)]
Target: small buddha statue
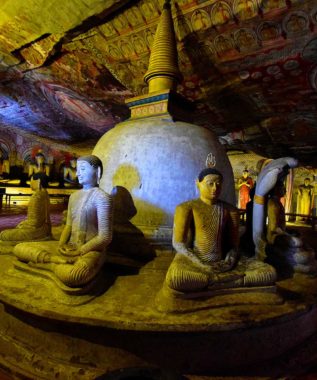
[(37, 225), (81, 251), (4, 166), (245, 184), (273, 172), (39, 166), (70, 174), (206, 240), (304, 199)]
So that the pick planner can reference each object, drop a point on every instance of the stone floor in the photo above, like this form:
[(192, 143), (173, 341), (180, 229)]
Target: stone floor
[(10, 216)]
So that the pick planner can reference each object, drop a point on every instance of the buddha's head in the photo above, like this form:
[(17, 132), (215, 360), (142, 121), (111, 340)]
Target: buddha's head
[(89, 171), (306, 181), (73, 163), (209, 184), (245, 173), (39, 158)]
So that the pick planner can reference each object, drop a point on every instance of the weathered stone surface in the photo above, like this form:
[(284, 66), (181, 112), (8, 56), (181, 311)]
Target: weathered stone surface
[(122, 329), (157, 161)]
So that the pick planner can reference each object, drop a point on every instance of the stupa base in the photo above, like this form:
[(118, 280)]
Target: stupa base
[(122, 329)]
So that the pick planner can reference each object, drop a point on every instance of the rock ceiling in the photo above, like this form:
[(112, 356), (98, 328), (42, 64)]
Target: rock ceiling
[(250, 67)]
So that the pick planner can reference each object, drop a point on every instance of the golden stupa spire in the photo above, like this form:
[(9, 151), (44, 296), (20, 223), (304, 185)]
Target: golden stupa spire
[(163, 72)]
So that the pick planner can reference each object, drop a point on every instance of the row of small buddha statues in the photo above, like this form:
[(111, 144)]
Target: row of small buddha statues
[(67, 176), (205, 235)]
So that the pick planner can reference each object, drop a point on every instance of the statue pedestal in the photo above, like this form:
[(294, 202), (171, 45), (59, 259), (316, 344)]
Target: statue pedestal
[(122, 329)]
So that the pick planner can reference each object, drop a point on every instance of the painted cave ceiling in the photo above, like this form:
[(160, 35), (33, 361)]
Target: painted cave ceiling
[(250, 67)]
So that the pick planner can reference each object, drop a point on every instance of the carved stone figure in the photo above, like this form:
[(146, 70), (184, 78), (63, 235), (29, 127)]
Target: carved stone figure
[(4, 166), (39, 166), (304, 199), (206, 239), (245, 183), (70, 174), (80, 253), (37, 225), (286, 247)]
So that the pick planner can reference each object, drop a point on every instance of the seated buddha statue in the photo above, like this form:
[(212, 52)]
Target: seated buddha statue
[(37, 225), (285, 247), (70, 174), (206, 240), (39, 166), (80, 253)]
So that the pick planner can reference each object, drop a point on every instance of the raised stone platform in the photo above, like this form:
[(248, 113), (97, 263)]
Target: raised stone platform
[(43, 337), (22, 194)]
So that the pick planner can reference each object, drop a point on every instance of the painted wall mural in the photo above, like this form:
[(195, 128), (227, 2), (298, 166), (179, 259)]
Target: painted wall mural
[(247, 64)]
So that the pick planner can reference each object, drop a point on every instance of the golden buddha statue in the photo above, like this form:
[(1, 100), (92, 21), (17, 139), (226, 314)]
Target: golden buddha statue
[(206, 240), (70, 174), (37, 225), (81, 251), (39, 166)]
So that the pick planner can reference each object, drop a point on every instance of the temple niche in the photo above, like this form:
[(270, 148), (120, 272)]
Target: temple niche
[(164, 268)]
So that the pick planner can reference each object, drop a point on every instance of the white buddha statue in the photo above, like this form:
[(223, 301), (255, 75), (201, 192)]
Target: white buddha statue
[(81, 251)]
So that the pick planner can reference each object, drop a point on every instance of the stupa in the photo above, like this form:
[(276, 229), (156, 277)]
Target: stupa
[(157, 154)]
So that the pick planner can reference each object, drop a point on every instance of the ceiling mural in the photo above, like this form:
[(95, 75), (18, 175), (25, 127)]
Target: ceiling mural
[(250, 67)]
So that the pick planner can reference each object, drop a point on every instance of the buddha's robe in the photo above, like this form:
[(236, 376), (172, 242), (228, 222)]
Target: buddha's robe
[(245, 185), (36, 226), (34, 169), (203, 234), (88, 230), (70, 176)]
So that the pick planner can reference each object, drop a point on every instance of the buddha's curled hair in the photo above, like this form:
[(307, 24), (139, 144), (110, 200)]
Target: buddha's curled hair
[(93, 160)]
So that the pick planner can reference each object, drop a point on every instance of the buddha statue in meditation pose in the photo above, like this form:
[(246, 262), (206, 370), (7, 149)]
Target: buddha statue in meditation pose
[(37, 225), (39, 166), (80, 253), (70, 174), (206, 240)]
